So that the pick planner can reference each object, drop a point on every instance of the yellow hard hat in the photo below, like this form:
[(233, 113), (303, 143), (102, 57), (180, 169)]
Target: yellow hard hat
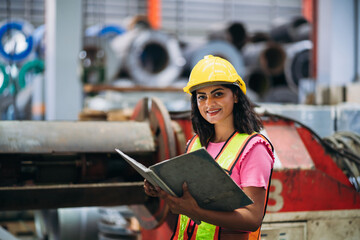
[(213, 71)]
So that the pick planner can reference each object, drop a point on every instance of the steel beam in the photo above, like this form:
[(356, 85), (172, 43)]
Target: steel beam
[(68, 195)]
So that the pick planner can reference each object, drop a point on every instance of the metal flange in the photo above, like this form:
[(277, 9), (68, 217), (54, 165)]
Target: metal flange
[(154, 212)]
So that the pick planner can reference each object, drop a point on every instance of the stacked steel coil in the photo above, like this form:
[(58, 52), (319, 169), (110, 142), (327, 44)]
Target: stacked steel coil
[(271, 63), (278, 60)]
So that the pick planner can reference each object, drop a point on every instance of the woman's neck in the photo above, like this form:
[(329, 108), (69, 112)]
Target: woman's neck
[(222, 133)]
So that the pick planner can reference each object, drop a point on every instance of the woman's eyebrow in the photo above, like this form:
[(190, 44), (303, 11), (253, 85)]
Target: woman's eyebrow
[(211, 91), (216, 90)]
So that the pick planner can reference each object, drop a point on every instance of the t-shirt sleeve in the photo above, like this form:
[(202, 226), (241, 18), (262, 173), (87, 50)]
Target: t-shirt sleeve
[(254, 166)]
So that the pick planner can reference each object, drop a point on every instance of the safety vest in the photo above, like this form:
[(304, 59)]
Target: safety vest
[(226, 158)]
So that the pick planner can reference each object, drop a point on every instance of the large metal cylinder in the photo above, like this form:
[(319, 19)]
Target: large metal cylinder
[(268, 56), (151, 58), (233, 32), (290, 30), (219, 48), (74, 137), (297, 64), (258, 81)]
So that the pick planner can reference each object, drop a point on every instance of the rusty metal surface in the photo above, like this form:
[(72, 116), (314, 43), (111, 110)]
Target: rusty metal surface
[(78, 195), (153, 111), (74, 137)]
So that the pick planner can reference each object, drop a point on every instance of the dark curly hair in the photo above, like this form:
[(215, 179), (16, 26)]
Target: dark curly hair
[(246, 120)]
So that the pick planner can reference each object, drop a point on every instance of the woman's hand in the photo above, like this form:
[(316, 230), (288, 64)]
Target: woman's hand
[(185, 205), (150, 189)]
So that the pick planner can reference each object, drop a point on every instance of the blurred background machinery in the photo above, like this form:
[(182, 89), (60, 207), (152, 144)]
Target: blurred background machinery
[(148, 44), (95, 75)]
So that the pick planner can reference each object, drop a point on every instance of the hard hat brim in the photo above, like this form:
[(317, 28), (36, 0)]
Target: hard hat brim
[(208, 84)]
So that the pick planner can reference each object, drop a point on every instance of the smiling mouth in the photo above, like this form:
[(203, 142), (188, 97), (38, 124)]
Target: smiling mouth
[(213, 111)]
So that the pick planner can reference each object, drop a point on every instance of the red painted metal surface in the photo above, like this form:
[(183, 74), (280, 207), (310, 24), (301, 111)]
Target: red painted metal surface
[(308, 179), (309, 190), (187, 127), (322, 160), (289, 147)]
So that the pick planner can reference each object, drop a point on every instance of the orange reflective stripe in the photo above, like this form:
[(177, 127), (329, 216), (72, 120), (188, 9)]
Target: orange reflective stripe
[(181, 229), (226, 158), (255, 235), (194, 141), (193, 236), (271, 148), (176, 235)]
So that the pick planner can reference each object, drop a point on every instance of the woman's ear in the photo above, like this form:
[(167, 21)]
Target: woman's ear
[(236, 98)]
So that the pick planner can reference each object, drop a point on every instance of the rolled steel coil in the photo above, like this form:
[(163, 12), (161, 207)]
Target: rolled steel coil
[(216, 48), (297, 64), (258, 81), (290, 30), (35, 65), (233, 32), (268, 56), (4, 78), (12, 47), (259, 37), (281, 94), (39, 41), (151, 58), (105, 30)]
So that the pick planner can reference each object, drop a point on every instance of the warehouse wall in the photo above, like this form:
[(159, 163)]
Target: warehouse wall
[(336, 42)]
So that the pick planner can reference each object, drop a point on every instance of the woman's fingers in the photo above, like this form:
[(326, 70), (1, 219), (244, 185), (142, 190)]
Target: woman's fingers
[(150, 189)]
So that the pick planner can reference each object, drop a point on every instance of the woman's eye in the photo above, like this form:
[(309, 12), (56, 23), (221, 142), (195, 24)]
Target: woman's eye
[(218, 94), (201, 98)]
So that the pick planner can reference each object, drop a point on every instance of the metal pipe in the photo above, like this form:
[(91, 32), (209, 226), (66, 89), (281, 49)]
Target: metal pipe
[(71, 195), (34, 137)]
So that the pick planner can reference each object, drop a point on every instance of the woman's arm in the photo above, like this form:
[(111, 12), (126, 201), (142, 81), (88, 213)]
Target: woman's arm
[(248, 218)]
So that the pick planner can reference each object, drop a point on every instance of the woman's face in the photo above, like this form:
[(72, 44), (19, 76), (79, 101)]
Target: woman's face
[(216, 104)]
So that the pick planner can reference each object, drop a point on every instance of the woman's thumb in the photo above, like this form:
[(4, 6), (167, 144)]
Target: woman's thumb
[(185, 187)]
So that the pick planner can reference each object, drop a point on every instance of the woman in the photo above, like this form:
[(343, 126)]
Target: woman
[(226, 125)]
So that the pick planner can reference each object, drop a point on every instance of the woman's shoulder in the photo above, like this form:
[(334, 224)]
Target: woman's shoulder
[(259, 143), (258, 138)]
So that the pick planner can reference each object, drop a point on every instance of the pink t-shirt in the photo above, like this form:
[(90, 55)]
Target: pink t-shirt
[(255, 163)]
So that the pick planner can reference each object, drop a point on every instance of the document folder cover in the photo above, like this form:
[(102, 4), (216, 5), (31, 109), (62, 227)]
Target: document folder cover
[(208, 183)]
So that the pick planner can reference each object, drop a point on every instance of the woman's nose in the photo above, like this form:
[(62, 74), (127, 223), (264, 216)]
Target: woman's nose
[(209, 100)]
